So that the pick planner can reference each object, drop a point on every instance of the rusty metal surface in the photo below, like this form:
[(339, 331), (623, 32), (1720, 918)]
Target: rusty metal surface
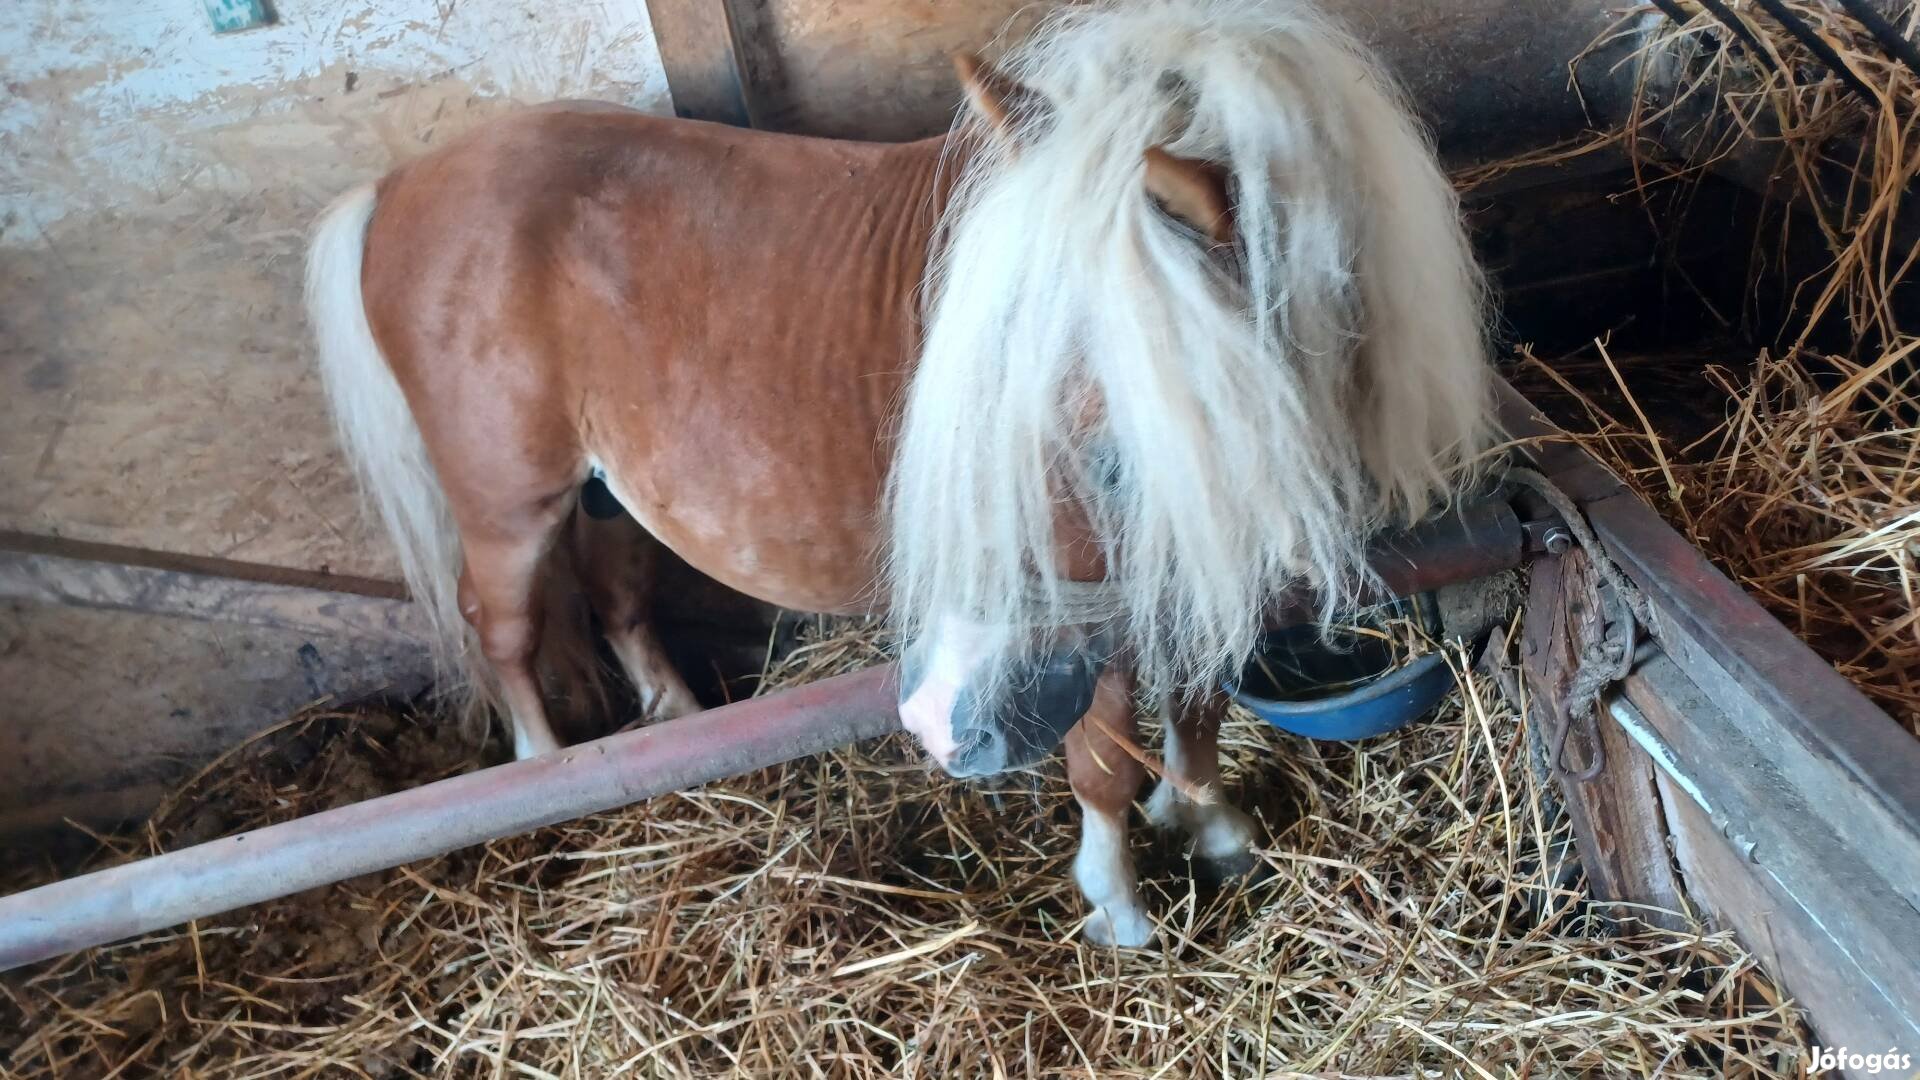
[(51, 570), (430, 820), (1474, 541)]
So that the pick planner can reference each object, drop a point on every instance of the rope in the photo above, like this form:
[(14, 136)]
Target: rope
[(1606, 660), (1076, 601)]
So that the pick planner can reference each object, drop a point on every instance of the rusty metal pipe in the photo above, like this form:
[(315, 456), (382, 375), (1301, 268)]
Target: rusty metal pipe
[(433, 819), (1473, 541)]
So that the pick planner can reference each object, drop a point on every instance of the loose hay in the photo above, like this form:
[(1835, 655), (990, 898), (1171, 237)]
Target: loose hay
[(855, 914), (1806, 492), (1803, 485)]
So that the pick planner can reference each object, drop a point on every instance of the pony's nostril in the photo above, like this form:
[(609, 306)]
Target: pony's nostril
[(982, 752)]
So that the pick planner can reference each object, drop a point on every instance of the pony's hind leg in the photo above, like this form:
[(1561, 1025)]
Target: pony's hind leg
[(1223, 836), (617, 561), (1105, 780), (498, 596)]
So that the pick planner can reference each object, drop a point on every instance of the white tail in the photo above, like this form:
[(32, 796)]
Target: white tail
[(379, 432), (1236, 421)]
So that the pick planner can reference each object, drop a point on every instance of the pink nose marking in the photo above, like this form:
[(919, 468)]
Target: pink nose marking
[(957, 648), (928, 714)]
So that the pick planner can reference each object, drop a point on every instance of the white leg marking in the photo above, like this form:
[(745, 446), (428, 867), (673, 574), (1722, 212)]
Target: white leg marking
[(663, 693), (532, 736), (1220, 831), (1104, 870)]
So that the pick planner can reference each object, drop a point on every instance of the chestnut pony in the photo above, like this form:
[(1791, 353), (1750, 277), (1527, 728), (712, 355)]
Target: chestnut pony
[(1178, 316)]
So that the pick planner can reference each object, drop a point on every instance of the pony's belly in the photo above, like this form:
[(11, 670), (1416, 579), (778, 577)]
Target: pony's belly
[(794, 557)]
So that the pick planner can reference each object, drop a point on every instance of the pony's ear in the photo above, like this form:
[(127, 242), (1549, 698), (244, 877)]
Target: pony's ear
[(994, 98), (1192, 190)]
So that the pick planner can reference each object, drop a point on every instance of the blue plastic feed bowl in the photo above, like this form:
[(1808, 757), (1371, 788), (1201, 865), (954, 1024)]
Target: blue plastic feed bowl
[(1342, 687)]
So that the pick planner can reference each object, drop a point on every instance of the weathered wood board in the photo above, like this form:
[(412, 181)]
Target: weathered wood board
[(1490, 75)]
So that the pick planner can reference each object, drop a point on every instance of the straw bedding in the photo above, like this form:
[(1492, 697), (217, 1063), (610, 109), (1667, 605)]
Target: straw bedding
[(856, 914), (1804, 486)]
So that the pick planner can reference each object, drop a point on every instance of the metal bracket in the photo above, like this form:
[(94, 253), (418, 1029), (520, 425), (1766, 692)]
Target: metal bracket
[(1546, 536)]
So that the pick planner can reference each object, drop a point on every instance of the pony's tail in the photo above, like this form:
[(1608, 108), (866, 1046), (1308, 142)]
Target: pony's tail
[(380, 435)]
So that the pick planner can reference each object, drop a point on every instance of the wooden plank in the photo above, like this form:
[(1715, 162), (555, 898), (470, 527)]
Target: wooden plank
[(1821, 902), (701, 51), (1618, 824), (1789, 945), (55, 571), (1847, 760), (879, 69)]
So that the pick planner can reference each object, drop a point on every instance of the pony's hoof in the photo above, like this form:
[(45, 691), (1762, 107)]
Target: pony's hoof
[(1235, 866), (1222, 836), (1126, 928)]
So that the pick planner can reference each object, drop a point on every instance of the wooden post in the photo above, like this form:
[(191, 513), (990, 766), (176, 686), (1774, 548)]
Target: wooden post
[(1618, 825), (703, 55)]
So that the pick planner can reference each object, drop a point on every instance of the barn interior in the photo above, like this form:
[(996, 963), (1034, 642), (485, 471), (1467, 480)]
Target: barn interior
[(201, 632)]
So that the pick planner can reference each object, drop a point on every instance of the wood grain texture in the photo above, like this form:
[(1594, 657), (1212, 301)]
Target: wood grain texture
[(700, 48), (1834, 749), (1814, 790), (1490, 75), (1830, 912), (1618, 824)]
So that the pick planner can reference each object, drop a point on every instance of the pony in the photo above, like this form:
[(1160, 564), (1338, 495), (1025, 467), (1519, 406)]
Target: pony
[(1173, 320)]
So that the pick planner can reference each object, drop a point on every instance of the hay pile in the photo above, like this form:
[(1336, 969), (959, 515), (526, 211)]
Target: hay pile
[(1806, 490), (857, 915), (1803, 483)]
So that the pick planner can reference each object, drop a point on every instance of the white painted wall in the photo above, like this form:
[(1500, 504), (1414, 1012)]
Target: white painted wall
[(112, 103), (156, 183)]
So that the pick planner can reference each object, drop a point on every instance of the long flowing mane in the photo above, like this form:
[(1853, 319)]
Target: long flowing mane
[(1233, 420)]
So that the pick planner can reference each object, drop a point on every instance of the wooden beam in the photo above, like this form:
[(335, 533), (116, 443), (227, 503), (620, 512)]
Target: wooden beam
[(1813, 790), (1618, 824), (701, 50), (1825, 909), (1850, 761), (53, 570)]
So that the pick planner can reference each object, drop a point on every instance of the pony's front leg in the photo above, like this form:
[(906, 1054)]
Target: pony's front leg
[(1105, 780), (1223, 836)]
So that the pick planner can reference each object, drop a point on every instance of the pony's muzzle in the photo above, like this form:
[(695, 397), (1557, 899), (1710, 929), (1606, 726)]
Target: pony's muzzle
[(973, 730)]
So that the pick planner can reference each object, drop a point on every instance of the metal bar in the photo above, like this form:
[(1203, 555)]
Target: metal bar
[(1883, 31), (1473, 541), (252, 867), (1470, 542), (1732, 21), (1822, 51), (60, 547)]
